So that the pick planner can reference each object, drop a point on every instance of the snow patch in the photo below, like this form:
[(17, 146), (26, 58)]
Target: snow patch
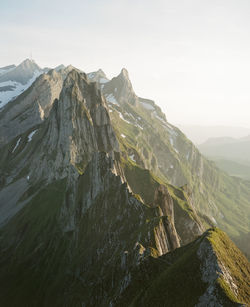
[(91, 75), (132, 157), (213, 220), (138, 126), (131, 123), (121, 116), (159, 118), (111, 98), (17, 144), (31, 135), (147, 106), (103, 80)]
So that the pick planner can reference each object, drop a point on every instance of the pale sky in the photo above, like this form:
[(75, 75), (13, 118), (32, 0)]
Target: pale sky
[(191, 56)]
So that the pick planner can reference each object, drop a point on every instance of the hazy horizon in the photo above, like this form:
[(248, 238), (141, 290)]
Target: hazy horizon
[(191, 58)]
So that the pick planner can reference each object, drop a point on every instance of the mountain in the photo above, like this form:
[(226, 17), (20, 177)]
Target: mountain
[(105, 203), (98, 76), (233, 168), (200, 134), (15, 79), (229, 154), (237, 150)]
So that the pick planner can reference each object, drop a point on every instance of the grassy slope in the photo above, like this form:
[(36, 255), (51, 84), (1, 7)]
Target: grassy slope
[(235, 262), (175, 278)]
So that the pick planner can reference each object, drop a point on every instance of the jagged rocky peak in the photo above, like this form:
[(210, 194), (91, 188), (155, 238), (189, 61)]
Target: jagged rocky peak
[(101, 73), (79, 123), (123, 77), (60, 67), (29, 64), (81, 92), (66, 70), (124, 74), (98, 76), (52, 72), (17, 79), (120, 89), (71, 67)]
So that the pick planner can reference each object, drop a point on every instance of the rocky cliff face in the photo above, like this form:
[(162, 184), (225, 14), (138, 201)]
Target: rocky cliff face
[(60, 145)]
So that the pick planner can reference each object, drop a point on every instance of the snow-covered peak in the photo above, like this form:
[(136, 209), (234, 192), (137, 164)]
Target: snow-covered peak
[(29, 64), (17, 79), (22, 73)]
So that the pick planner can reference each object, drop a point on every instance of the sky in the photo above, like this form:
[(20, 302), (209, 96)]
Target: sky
[(192, 57)]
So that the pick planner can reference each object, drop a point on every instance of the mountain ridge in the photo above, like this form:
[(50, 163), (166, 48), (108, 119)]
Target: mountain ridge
[(89, 195)]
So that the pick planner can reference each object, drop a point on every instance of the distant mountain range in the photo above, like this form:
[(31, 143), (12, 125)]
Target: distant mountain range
[(103, 202), (230, 154), (200, 134)]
